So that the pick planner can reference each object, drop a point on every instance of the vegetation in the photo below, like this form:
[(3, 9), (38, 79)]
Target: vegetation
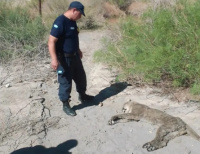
[(163, 45), (23, 30), (20, 33), (122, 4)]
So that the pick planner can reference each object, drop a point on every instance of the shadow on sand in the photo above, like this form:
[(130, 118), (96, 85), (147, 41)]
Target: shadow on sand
[(62, 148), (114, 89)]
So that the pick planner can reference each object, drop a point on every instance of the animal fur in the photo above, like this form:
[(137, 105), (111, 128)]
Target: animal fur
[(170, 127)]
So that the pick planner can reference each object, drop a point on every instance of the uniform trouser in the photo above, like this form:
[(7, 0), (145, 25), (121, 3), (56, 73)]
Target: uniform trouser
[(70, 68)]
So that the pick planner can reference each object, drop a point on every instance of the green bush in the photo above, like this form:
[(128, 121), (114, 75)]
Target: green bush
[(19, 29), (195, 89), (164, 43)]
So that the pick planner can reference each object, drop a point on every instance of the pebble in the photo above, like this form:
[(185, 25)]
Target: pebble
[(54, 81), (30, 96), (7, 85), (101, 104)]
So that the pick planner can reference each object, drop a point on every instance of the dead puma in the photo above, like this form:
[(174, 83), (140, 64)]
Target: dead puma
[(170, 127)]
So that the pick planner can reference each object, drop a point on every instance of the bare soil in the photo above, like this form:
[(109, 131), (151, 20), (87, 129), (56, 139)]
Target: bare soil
[(32, 120)]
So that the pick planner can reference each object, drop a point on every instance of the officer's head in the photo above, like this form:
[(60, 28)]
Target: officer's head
[(77, 9)]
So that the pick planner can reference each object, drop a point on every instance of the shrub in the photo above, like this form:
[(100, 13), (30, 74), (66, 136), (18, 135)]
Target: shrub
[(87, 22), (122, 4), (19, 30), (163, 44)]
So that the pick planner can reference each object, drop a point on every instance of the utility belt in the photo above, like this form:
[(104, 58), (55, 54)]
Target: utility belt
[(67, 55)]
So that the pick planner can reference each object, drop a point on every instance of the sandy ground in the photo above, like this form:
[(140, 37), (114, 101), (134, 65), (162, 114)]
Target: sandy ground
[(32, 120)]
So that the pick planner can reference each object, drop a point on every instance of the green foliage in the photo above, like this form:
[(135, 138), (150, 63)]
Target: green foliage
[(120, 3), (164, 43), (18, 29), (17, 25), (195, 89), (5, 54)]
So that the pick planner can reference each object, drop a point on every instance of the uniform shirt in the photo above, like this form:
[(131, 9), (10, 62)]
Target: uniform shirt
[(66, 31)]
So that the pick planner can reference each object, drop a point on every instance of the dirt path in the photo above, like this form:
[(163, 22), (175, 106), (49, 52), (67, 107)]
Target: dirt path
[(32, 120)]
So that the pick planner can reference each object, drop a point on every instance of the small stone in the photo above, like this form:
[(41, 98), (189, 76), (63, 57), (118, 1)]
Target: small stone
[(47, 62), (30, 96), (101, 104), (20, 81), (44, 92), (55, 81), (7, 85), (40, 85)]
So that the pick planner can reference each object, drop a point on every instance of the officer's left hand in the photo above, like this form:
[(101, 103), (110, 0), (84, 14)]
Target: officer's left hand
[(80, 54)]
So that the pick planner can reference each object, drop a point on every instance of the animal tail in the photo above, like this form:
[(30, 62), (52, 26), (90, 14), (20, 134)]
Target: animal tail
[(192, 133)]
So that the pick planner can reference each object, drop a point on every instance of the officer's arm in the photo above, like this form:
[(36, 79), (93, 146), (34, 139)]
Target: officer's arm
[(52, 51)]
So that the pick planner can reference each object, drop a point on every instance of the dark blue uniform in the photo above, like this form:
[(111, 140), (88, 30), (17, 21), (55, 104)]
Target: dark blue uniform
[(67, 48)]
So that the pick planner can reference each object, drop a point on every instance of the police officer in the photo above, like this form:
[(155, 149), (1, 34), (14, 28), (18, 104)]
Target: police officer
[(66, 56)]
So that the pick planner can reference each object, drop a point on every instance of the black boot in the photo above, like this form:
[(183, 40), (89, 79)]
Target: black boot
[(67, 109), (84, 97)]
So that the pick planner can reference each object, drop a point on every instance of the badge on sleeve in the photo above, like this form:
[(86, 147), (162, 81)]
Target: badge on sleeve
[(55, 26)]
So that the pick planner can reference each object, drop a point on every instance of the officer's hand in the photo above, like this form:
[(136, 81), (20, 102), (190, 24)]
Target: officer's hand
[(54, 64), (80, 54)]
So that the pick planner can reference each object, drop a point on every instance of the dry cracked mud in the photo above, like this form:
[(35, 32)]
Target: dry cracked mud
[(32, 120)]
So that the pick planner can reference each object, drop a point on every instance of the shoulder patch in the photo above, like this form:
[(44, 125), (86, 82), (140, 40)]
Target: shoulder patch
[(55, 26)]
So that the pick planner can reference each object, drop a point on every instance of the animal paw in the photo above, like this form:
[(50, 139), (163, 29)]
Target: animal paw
[(113, 120), (149, 147)]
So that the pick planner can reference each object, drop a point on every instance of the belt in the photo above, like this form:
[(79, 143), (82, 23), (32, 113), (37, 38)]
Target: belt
[(69, 54)]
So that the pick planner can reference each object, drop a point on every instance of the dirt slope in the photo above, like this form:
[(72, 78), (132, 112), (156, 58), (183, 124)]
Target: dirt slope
[(32, 120)]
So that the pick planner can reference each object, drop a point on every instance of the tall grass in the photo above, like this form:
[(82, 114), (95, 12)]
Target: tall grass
[(121, 3), (19, 32), (164, 44)]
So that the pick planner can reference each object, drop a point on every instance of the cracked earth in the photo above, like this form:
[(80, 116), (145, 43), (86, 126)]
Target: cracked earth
[(32, 120)]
